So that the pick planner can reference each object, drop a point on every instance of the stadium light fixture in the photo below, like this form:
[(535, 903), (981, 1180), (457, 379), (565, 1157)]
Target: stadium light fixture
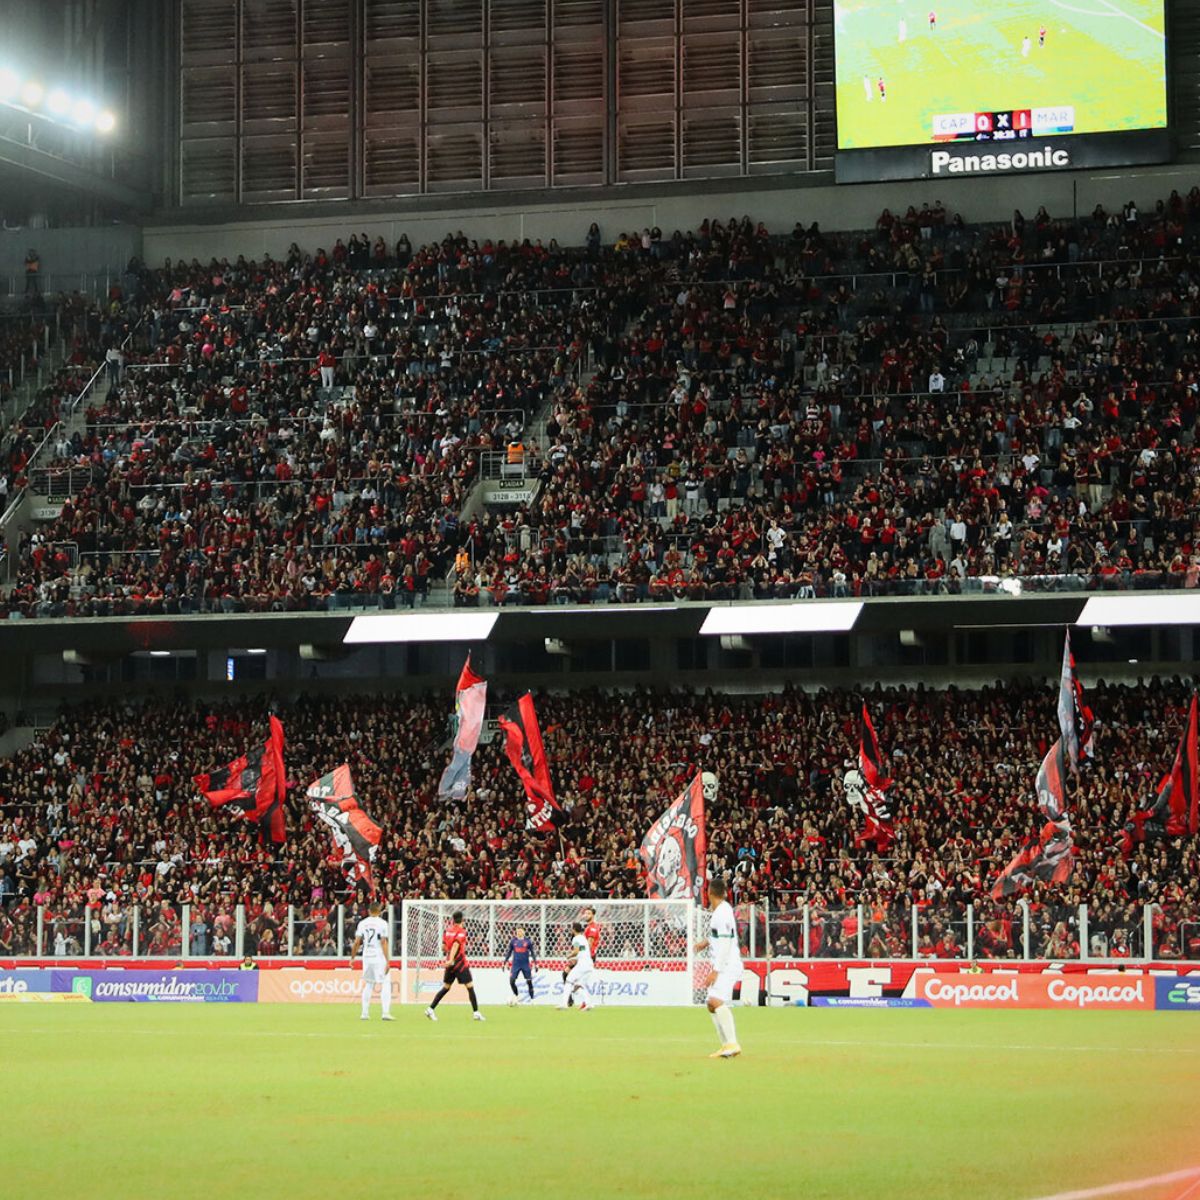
[(81, 112), (420, 627), (803, 616), (1115, 611)]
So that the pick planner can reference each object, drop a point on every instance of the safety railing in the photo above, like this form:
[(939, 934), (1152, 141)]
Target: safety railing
[(790, 927), (94, 284), (112, 596), (1015, 930)]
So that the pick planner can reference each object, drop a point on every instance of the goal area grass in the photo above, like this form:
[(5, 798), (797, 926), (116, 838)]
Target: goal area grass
[(140, 1100), (1104, 57)]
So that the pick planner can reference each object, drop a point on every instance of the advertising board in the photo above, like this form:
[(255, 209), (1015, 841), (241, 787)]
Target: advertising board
[(1080, 992), (1181, 994), (159, 987)]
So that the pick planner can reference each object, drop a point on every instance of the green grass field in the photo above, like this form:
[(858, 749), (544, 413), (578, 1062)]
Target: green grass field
[(1106, 57), (141, 1100)]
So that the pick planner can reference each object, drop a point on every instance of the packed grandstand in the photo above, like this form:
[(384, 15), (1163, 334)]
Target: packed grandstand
[(722, 413), (100, 817)]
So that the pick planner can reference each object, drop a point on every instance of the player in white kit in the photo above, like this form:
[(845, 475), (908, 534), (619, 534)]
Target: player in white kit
[(580, 973), (725, 959), (372, 937)]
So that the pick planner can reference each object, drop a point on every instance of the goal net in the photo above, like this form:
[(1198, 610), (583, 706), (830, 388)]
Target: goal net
[(644, 955)]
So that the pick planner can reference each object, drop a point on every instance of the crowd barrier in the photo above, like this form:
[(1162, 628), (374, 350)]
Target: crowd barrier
[(1162, 986)]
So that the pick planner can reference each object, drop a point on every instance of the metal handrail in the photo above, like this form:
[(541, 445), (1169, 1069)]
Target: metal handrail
[(51, 434)]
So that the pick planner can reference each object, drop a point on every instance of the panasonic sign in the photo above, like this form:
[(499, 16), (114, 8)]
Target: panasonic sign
[(944, 162)]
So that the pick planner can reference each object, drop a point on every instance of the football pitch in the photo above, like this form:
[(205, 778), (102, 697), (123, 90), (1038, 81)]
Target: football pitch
[(1104, 57), (141, 1100)]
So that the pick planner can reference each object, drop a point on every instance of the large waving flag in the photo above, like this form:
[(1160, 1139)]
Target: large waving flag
[(674, 851), (1174, 809), (866, 788), (1180, 791), (1051, 783), (333, 802), (1051, 858), (523, 743), (470, 701), (1048, 860), (255, 787), (1074, 717)]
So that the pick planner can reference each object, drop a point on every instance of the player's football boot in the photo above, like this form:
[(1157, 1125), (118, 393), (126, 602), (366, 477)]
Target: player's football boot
[(731, 1051), (387, 1017), (431, 1014), (478, 1016), (513, 1002)]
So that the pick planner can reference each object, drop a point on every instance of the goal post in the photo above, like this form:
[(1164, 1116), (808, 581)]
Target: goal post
[(645, 955)]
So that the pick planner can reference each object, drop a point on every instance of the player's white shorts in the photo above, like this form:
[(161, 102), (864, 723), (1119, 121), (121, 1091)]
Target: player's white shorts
[(723, 985), (375, 970), (579, 974)]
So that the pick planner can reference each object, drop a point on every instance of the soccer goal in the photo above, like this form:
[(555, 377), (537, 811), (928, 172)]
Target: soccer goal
[(644, 954)]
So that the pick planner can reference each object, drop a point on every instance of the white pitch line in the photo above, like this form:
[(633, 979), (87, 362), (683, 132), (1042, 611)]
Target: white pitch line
[(1130, 1185), (1116, 12), (1113, 11)]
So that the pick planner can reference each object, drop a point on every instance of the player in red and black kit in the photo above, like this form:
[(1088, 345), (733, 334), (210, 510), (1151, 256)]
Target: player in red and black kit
[(457, 970), (591, 931)]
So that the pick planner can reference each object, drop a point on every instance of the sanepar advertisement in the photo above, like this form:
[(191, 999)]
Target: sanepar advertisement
[(997, 87)]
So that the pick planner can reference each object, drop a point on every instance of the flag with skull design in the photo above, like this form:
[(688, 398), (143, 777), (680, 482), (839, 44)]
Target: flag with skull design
[(674, 852), (866, 787)]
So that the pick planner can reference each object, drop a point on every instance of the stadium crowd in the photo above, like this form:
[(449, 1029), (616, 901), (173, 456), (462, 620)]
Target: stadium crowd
[(100, 816), (927, 406)]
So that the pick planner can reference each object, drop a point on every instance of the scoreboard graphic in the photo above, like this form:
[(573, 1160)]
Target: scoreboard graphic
[(1004, 125), (1078, 84)]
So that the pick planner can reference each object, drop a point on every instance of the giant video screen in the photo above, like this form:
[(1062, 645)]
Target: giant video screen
[(938, 88)]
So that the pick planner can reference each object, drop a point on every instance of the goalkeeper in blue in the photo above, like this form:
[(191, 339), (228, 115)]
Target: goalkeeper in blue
[(520, 950)]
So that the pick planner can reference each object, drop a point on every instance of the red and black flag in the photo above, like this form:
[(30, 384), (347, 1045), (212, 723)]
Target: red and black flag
[(1181, 791), (867, 788), (1048, 860), (1174, 810), (254, 786), (470, 701), (523, 743), (1075, 719), (333, 802), (1051, 783), (674, 852)]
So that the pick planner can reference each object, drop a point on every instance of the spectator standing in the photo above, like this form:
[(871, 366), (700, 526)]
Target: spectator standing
[(33, 270)]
